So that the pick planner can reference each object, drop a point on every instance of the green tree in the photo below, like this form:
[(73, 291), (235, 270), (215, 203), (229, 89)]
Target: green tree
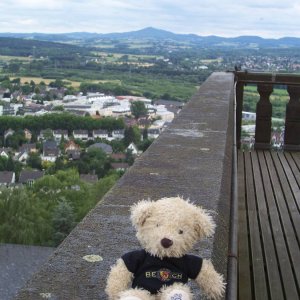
[(26, 89), (58, 83), (34, 161), (132, 135), (138, 109), (129, 157), (16, 140), (14, 67), (63, 221), (48, 134), (6, 84)]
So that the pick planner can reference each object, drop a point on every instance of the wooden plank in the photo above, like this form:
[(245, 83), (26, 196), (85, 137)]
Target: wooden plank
[(283, 261), (296, 157), (289, 197), (244, 274), (291, 179), (288, 211), (259, 277), (273, 274), (291, 161)]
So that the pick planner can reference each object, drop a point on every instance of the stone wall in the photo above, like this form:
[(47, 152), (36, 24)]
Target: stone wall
[(192, 158)]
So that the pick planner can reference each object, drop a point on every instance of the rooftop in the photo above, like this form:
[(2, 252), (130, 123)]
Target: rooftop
[(20, 263)]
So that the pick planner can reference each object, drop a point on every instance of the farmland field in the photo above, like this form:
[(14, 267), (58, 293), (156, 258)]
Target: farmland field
[(72, 83)]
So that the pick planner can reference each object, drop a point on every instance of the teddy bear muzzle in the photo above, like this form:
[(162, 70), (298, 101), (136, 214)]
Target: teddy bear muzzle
[(166, 243)]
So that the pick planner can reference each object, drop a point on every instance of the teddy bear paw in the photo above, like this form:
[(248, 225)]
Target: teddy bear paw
[(178, 295)]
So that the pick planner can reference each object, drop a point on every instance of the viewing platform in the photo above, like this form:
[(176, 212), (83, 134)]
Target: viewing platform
[(254, 198)]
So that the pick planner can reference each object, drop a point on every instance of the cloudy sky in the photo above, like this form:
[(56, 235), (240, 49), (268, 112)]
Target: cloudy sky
[(266, 18)]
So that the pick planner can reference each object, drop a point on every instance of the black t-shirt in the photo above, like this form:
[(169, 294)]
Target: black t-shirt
[(151, 272)]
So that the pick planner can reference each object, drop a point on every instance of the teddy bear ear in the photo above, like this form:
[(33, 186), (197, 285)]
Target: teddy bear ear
[(140, 212), (205, 226)]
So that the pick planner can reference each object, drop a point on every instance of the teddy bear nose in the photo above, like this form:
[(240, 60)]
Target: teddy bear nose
[(166, 243)]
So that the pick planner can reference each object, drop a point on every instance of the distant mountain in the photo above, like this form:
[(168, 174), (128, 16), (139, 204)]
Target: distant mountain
[(25, 47), (151, 33)]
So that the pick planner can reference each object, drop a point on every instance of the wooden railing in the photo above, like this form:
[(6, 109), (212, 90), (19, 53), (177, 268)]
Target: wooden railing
[(265, 83)]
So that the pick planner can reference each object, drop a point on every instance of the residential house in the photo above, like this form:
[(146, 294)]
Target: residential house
[(45, 134), (8, 110), (4, 152), (7, 178), (35, 109), (118, 134), (30, 148), (6, 96), (100, 133), (153, 133), (71, 145), (104, 147), (133, 148), (50, 151), (81, 135), (28, 177), (24, 152), (22, 156), (49, 144), (59, 134), (72, 150), (89, 178), (120, 166), (118, 156), (50, 155), (28, 134), (73, 154), (172, 106)]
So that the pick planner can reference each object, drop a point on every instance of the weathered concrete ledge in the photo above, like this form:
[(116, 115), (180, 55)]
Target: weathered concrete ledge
[(192, 158)]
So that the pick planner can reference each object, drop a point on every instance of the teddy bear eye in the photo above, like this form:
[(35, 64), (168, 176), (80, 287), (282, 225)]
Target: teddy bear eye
[(157, 225), (180, 231)]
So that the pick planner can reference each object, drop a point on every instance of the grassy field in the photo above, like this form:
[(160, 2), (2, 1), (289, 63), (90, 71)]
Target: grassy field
[(5, 58), (72, 83), (209, 61), (131, 57)]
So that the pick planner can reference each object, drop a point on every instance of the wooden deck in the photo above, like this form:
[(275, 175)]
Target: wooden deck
[(269, 225)]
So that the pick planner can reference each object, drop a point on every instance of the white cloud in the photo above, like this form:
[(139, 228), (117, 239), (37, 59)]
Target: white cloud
[(268, 18)]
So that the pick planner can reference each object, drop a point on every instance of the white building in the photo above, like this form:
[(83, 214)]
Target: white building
[(248, 116), (164, 114), (81, 134), (100, 133)]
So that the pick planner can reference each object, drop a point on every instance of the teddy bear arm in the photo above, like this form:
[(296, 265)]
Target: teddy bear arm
[(210, 281), (118, 279)]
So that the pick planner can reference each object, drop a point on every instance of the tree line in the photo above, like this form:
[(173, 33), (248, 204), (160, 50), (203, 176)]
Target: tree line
[(46, 213), (64, 121)]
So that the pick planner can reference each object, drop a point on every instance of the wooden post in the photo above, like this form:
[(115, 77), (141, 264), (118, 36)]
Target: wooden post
[(239, 109), (292, 120), (263, 117)]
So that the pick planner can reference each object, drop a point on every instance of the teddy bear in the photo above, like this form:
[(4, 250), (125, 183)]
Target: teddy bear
[(167, 230)]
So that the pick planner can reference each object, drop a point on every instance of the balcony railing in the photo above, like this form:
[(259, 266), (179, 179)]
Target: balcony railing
[(265, 83)]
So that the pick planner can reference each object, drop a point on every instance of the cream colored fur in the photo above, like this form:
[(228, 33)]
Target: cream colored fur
[(177, 220), (165, 218), (210, 281), (118, 279), (176, 288), (136, 293)]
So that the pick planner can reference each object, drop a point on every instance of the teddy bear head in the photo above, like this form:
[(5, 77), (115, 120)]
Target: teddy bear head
[(170, 227)]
